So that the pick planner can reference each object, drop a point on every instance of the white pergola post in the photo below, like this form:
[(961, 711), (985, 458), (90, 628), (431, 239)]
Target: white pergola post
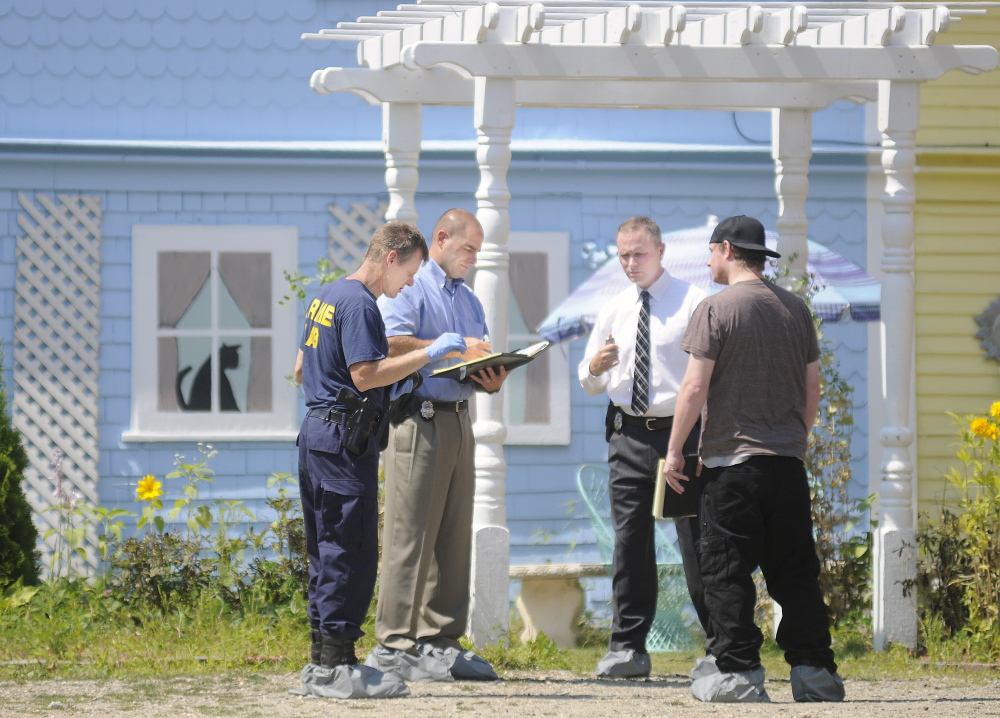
[(894, 603), (494, 119), (401, 140), (791, 148)]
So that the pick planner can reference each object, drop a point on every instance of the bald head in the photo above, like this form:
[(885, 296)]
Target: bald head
[(455, 221), (456, 240)]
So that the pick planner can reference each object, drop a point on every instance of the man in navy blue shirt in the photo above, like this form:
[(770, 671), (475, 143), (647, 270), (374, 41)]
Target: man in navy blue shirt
[(344, 345), (423, 601)]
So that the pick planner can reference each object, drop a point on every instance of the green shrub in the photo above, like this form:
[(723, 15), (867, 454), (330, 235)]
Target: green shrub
[(19, 557), (958, 574)]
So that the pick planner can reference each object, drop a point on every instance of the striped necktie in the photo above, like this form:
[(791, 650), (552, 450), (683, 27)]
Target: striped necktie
[(640, 387)]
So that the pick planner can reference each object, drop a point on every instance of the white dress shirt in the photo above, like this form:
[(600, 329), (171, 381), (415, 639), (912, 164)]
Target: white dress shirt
[(671, 304)]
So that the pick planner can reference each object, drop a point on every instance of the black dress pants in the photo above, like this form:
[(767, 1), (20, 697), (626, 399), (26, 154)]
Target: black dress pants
[(633, 453), (758, 514)]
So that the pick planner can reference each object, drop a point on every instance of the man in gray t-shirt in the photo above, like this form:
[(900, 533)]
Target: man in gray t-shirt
[(757, 334), (753, 362)]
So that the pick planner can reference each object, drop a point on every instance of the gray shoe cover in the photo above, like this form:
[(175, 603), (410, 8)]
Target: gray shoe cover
[(624, 664), (815, 685), (307, 678), (356, 681), (463, 665), (704, 666), (419, 668), (742, 687)]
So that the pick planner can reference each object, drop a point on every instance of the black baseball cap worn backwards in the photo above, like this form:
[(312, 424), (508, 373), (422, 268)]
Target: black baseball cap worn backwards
[(743, 232)]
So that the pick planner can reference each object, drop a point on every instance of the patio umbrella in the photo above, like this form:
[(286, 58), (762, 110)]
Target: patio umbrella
[(843, 289)]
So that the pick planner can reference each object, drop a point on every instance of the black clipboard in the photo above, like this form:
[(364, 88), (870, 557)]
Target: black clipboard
[(508, 360)]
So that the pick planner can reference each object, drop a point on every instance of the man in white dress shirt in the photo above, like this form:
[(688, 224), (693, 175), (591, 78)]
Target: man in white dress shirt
[(634, 356)]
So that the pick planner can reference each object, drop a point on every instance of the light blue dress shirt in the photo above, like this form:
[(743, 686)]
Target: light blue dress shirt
[(433, 306)]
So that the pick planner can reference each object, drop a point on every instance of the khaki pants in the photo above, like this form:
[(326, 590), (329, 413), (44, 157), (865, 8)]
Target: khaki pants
[(427, 538)]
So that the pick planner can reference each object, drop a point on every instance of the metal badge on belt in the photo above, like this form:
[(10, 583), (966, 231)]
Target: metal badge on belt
[(427, 410), (618, 421)]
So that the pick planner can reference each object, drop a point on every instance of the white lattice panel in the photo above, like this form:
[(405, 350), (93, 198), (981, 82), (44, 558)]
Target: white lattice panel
[(56, 307), (351, 231)]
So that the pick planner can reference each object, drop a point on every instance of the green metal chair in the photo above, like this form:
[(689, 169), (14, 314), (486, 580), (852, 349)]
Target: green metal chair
[(668, 632)]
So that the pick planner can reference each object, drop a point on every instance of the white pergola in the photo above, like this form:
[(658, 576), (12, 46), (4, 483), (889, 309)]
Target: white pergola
[(791, 59)]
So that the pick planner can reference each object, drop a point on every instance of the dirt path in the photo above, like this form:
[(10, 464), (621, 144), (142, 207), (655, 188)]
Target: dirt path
[(553, 693)]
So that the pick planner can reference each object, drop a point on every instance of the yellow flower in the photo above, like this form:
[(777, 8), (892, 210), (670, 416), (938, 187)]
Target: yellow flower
[(984, 428), (995, 410), (149, 489)]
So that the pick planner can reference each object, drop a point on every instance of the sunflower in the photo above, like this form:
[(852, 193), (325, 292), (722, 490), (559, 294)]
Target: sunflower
[(995, 410), (149, 489), (984, 428)]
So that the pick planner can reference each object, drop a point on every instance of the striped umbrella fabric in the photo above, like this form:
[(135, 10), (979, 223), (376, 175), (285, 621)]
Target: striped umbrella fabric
[(842, 289)]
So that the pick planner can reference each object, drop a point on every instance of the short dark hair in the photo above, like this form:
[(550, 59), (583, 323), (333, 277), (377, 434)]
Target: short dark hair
[(632, 224), (400, 237), (750, 258)]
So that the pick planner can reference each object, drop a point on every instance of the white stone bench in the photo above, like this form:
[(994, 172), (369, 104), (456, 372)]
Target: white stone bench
[(551, 599)]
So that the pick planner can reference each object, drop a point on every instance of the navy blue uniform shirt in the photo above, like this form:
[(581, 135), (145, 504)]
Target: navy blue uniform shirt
[(343, 327)]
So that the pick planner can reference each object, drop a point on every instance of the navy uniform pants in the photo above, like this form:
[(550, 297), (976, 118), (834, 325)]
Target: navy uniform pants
[(633, 454), (758, 514), (341, 531)]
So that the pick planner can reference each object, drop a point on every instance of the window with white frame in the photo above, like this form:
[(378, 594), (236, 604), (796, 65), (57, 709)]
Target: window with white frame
[(210, 343), (536, 396)]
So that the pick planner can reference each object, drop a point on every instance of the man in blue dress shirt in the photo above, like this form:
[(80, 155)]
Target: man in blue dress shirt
[(423, 599)]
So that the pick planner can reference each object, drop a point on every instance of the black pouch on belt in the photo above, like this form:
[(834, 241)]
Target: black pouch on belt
[(361, 419), (402, 407), (609, 421)]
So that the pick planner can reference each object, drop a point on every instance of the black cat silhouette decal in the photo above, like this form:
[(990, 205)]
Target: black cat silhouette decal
[(200, 398)]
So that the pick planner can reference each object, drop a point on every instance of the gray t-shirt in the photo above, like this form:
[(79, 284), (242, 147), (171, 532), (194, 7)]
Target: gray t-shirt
[(761, 337)]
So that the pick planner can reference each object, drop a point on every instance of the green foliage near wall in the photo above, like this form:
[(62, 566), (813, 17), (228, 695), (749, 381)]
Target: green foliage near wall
[(958, 575), (18, 536), (842, 545)]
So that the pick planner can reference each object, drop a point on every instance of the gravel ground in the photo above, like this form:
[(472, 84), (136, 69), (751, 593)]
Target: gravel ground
[(553, 693)]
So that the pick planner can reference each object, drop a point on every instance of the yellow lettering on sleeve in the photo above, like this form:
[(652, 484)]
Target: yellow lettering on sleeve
[(311, 314), (313, 340), (326, 318)]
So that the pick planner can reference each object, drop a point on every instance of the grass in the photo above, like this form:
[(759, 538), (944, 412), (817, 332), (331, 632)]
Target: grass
[(74, 633)]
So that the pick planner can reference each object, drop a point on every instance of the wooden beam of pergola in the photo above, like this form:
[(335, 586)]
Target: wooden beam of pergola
[(441, 87)]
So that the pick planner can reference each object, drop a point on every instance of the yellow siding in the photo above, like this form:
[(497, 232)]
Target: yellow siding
[(962, 109), (957, 253)]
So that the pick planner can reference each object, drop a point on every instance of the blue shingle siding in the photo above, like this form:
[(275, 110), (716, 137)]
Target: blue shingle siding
[(131, 69)]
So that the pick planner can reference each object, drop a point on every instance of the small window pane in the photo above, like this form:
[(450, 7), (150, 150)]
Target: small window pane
[(192, 374), (528, 389), (230, 316), (259, 376), (181, 277), (198, 315), (246, 278)]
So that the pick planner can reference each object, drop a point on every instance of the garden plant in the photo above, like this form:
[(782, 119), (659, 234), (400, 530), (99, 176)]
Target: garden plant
[(959, 569)]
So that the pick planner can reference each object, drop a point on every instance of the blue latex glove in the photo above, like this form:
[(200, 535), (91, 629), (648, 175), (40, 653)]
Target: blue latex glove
[(445, 344)]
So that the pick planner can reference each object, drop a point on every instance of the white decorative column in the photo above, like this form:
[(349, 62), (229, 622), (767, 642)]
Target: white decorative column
[(494, 119), (791, 148), (401, 140), (894, 610)]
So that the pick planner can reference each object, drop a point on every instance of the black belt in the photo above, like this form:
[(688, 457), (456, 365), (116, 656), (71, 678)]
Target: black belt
[(333, 415), (650, 423), (454, 407)]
